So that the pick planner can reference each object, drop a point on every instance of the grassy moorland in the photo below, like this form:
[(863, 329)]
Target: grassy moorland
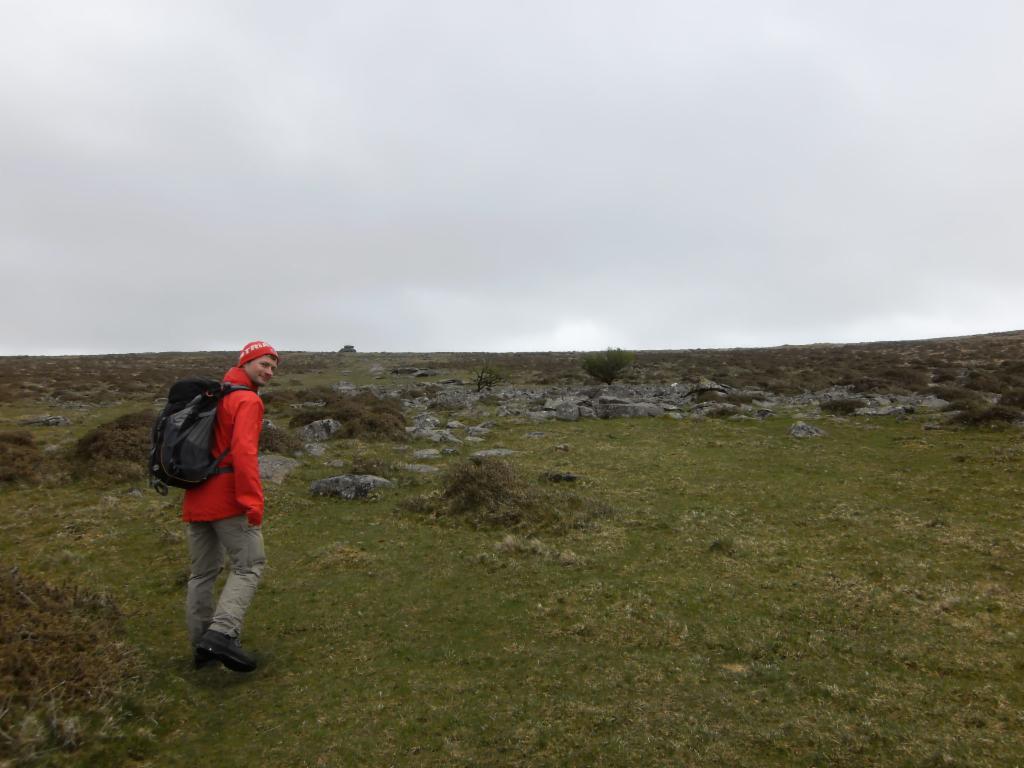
[(722, 594)]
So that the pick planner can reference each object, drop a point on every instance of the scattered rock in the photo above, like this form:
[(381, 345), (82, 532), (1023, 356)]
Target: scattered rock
[(567, 412), (423, 469), (620, 410), (46, 421), (435, 435), (319, 430), (348, 486), (426, 453), (276, 468), (493, 452), (564, 447), (536, 434), (424, 421), (885, 410), (561, 477), (802, 429)]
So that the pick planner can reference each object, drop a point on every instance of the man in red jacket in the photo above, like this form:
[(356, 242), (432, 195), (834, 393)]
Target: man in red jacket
[(224, 514)]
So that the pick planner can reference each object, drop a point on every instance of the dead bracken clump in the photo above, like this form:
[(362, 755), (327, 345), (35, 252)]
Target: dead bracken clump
[(64, 673), (492, 493), (363, 415), (118, 449), (20, 457)]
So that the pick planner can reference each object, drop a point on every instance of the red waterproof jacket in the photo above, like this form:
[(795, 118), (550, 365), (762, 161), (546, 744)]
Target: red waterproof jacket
[(240, 492)]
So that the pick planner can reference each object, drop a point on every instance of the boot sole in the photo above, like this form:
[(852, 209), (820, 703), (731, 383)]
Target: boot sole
[(232, 663)]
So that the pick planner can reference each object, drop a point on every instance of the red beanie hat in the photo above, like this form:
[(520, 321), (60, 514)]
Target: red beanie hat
[(255, 349)]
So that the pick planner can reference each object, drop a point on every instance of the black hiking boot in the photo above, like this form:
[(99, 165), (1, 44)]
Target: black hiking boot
[(201, 659), (227, 650)]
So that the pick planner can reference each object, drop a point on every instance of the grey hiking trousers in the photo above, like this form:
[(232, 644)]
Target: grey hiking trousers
[(207, 543)]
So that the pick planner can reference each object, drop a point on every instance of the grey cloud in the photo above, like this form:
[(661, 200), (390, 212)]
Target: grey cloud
[(464, 175)]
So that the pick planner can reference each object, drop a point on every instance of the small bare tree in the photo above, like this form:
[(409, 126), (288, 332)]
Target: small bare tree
[(487, 376)]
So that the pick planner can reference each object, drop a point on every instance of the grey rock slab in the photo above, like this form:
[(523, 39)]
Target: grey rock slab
[(492, 452), (276, 468), (426, 453), (348, 486)]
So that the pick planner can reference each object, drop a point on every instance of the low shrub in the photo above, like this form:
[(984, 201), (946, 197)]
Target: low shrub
[(609, 365), (492, 493), (842, 406), (280, 441), (710, 396), (65, 671), (994, 415), (20, 457), (371, 465), (363, 415), (119, 449), (913, 379), (982, 381), (1013, 398)]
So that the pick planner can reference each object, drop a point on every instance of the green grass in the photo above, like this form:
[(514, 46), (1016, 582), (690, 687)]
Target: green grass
[(756, 600)]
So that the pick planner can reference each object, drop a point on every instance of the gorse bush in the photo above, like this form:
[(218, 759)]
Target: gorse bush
[(609, 365)]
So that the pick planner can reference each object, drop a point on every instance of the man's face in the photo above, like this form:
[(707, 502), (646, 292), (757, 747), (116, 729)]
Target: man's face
[(261, 370)]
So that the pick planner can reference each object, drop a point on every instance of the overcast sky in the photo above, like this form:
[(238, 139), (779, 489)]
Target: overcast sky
[(411, 175)]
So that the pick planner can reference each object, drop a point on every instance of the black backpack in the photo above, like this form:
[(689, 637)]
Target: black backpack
[(183, 435)]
